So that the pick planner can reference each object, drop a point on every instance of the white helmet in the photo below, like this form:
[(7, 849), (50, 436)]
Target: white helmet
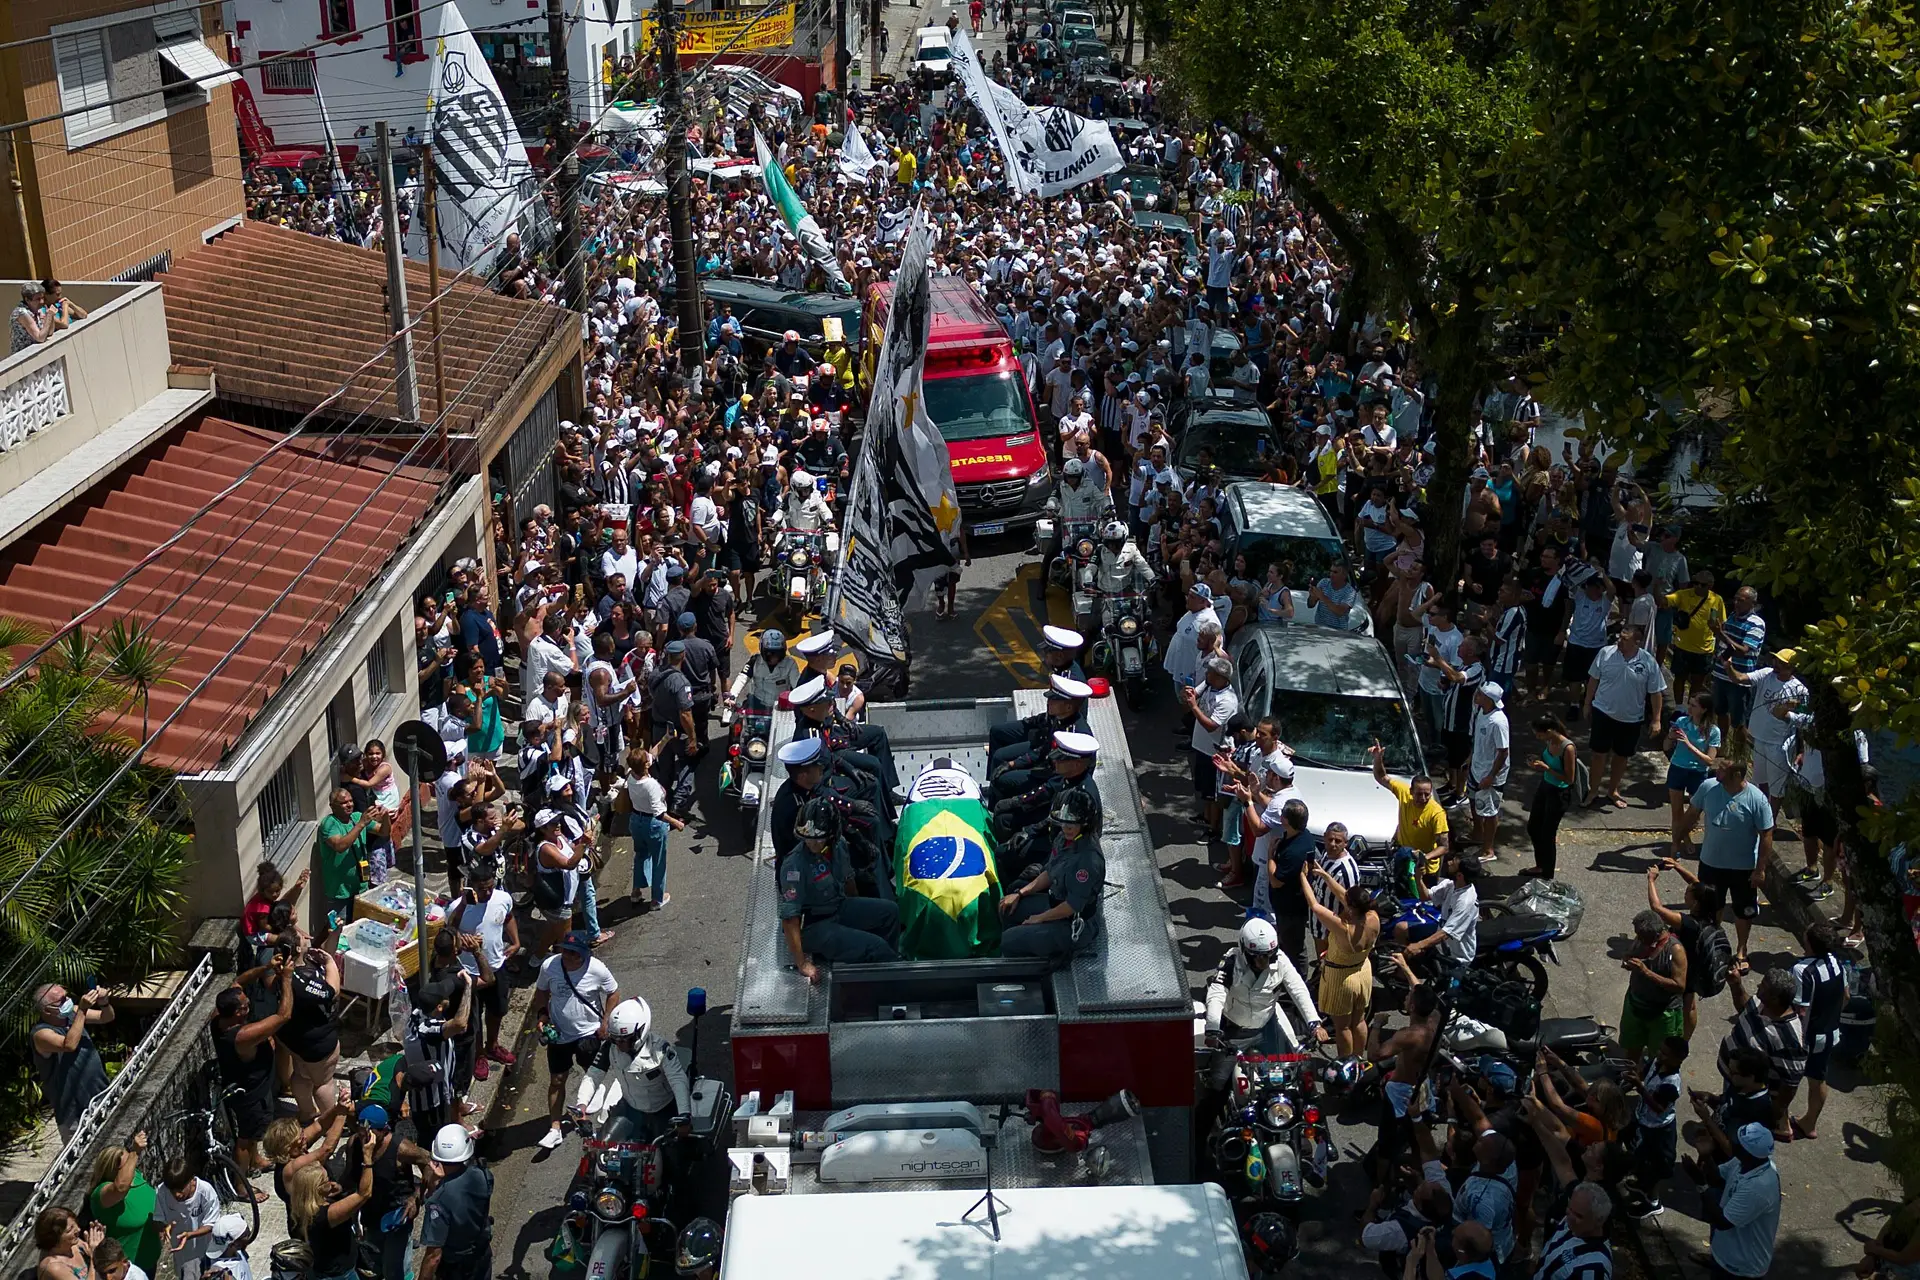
[(629, 1018), (1074, 469), (802, 482), (1114, 532), (452, 1145), (826, 369), (1259, 942)]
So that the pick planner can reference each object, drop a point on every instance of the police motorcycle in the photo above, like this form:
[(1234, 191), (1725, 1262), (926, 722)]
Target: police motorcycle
[(1126, 645), (1068, 533), (1269, 1141), (746, 713), (636, 1173), (806, 548)]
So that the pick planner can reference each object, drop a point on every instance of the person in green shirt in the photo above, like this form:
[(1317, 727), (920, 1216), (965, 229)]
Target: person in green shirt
[(123, 1201), (341, 850)]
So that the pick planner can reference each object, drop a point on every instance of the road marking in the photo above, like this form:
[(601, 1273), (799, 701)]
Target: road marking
[(1010, 631), (751, 643)]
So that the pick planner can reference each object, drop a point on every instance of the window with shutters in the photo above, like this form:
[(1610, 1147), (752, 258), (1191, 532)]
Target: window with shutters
[(337, 21), (286, 72), (86, 90)]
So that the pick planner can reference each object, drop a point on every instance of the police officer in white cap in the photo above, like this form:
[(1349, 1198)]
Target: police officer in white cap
[(1066, 709), (1062, 654), (815, 653), (806, 762), (1024, 803), (456, 1238), (862, 746)]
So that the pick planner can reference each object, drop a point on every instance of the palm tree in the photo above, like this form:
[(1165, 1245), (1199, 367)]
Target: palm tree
[(107, 900)]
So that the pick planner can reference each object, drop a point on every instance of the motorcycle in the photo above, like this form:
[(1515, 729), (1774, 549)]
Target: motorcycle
[(1126, 647), (803, 556), (743, 776), (1270, 1142), (1067, 546)]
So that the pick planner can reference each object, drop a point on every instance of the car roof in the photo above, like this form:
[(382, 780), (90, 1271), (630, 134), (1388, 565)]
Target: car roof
[(928, 35), (1278, 508), (1323, 660), (753, 294), (1210, 414)]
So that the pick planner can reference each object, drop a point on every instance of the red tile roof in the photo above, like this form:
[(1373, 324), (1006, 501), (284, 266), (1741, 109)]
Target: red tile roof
[(223, 577), (284, 318)]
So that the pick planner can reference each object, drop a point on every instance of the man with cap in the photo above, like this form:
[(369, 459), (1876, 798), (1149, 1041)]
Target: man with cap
[(1746, 1216), (806, 761), (701, 663), (821, 912), (1023, 743), (1183, 651), (399, 1170), (572, 1000), (1062, 652), (815, 653), (1070, 763), (1056, 913), (1488, 766), (862, 746), (670, 712), (456, 1233), (768, 674)]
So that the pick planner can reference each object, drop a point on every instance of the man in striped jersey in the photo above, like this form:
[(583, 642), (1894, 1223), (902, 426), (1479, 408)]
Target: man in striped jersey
[(1820, 993), (1577, 1247), (1742, 638), (1507, 645)]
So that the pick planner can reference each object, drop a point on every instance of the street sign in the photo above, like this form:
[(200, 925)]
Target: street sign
[(418, 749)]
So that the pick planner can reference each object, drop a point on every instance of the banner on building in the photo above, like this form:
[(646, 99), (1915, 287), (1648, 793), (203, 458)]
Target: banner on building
[(903, 515), (486, 187), (1049, 151), (736, 32), (805, 229)]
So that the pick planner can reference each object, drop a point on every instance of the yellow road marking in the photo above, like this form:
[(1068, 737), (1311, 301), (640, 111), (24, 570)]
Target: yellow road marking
[(751, 643), (1010, 632)]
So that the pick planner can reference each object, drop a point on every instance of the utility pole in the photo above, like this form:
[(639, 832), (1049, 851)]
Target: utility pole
[(572, 266), (874, 32), (686, 292), (406, 387), (842, 55), (431, 220)]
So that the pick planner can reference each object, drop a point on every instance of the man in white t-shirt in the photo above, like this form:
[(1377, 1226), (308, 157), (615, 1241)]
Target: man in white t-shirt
[(1213, 703), (1457, 898), (1487, 768), (486, 910), (1373, 520), (1777, 693), (547, 653), (571, 1001), (1625, 693)]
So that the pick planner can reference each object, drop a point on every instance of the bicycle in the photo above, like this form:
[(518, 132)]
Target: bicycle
[(200, 1126)]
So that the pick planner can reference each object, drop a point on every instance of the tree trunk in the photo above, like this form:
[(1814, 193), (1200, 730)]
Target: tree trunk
[(1890, 943), (1127, 56), (1451, 348), (1354, 301)]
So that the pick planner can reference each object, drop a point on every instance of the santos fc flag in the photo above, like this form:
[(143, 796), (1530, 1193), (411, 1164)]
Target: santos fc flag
[(949, 889)]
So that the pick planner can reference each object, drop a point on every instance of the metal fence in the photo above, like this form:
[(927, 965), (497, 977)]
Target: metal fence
[(151, 1088)]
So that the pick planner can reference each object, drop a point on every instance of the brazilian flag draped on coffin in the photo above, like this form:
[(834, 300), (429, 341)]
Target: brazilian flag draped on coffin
[(949, 889)]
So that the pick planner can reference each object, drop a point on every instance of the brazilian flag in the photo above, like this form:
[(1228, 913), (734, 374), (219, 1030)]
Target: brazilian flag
[(949, 890)]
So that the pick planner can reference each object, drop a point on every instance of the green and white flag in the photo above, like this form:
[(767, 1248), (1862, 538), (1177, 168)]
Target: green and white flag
[(813, 241)]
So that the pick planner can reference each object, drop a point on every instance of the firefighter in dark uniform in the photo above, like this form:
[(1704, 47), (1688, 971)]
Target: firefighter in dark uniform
[(456, 1236), (1019, 819), (1062, 654), (1066, 709), (1057, 912), (819, 911), (862, 746)]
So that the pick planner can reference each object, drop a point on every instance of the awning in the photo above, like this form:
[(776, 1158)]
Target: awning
[(182, 49)]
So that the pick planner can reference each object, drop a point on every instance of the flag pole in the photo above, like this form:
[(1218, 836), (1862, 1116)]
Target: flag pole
[(433, 290)]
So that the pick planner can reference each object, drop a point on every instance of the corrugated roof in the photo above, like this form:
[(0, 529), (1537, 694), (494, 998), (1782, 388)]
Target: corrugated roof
[(284, 318), (227, 572)]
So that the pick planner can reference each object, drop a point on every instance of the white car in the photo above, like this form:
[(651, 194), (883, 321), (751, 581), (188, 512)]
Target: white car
[(933, 50), (1332, 694), (1269, 522)]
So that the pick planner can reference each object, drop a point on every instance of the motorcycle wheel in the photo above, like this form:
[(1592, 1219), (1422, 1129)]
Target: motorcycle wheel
[(1135, 692), (1523, 968)]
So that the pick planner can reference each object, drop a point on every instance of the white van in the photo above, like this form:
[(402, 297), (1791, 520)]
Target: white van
[(933, 51)]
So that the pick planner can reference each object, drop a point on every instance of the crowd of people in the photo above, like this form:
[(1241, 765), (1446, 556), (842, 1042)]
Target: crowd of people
[(575, 686)]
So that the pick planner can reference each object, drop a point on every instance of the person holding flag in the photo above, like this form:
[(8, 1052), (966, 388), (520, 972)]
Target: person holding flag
[(813, 241)]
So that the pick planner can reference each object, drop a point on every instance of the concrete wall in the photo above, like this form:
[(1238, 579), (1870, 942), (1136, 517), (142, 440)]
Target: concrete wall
[(112, 363), (227, 836)]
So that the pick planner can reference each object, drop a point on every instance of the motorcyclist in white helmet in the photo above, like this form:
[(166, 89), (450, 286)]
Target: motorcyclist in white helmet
[(1120, 568), (1243, 996), (805, 511), (643, 1080), (1080, 495)]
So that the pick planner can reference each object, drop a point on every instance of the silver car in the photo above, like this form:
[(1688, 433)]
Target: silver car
[(1269, 522)]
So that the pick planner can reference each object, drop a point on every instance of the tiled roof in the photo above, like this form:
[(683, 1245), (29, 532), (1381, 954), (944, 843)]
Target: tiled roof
[(223, 577), (284, 318)]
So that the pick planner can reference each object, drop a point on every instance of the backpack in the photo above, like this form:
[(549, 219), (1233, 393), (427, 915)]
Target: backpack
[(1716, 955), (1582, 782)]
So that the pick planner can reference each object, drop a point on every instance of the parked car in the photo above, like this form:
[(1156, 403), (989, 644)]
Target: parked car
[(1144, 186), (1334, 694), (1160, 222), (766, 312), (1095, 58), (1235, 438), (1268, 522), (1071, 33), (933, 52)]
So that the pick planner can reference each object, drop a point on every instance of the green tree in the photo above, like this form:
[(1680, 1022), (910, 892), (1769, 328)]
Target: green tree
[(1391, 116), (1722, 203), (106, 901)]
